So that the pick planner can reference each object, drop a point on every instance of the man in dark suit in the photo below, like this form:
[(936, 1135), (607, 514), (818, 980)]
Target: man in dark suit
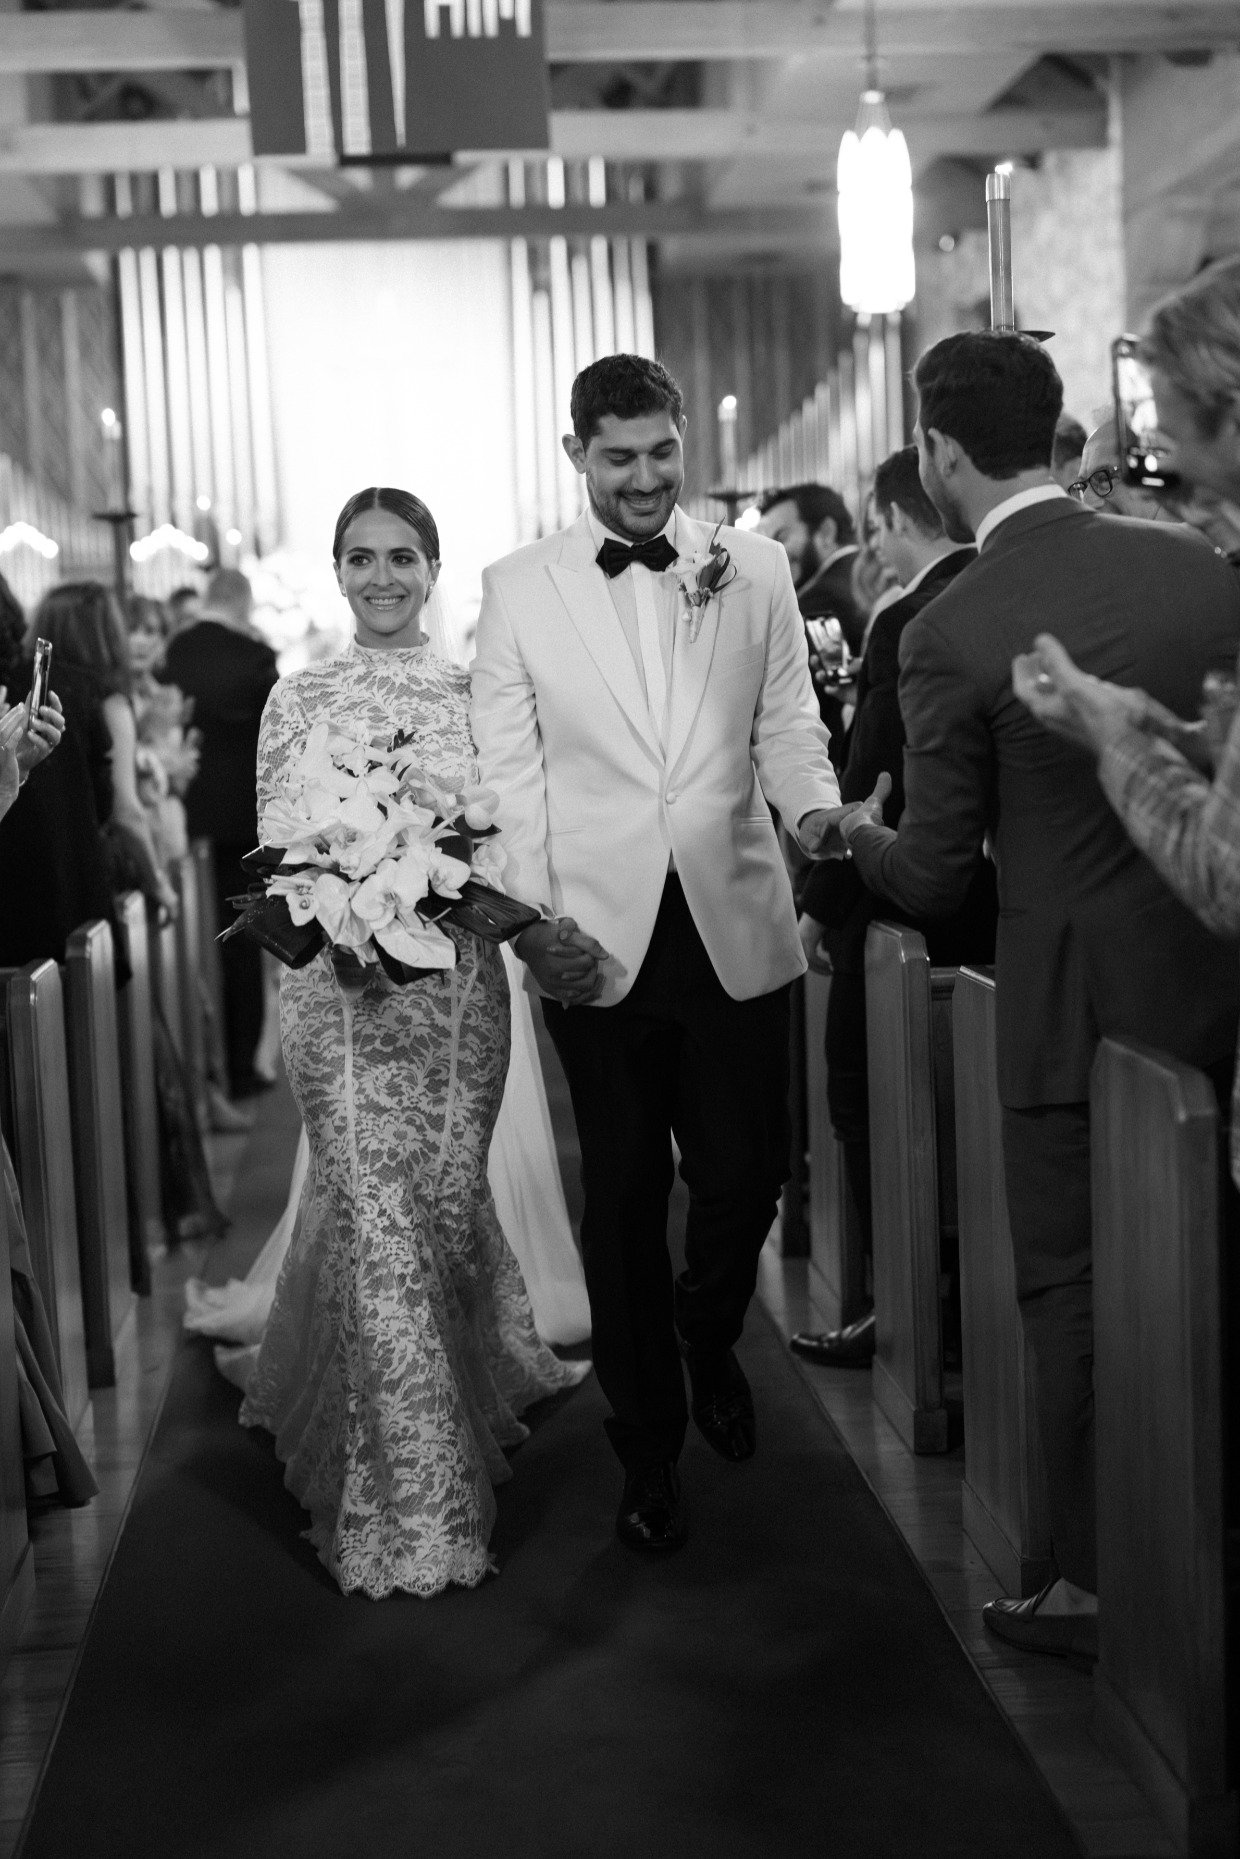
[(223, 662), (836, 907), (1090, 941), (816, 529)]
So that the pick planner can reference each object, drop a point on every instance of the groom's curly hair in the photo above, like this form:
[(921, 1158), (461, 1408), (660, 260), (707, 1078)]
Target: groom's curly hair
[(626, 386)]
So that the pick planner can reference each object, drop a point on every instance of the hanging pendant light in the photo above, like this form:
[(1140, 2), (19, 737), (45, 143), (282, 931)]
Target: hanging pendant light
[(875, 183)]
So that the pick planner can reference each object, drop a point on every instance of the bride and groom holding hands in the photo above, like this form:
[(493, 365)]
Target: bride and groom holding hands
[(641, 703)]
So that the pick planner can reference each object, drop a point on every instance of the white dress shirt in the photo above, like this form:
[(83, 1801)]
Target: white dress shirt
[(1023, 500), (646, 606)]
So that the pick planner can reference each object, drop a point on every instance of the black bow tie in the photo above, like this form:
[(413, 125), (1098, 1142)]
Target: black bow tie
[(656, 554)]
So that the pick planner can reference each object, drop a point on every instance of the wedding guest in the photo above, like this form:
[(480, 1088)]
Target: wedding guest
[(51, 847), (167, 753), (1100, 484), (1184, 817), (815, 528), (182, 607), (222, 662), (83, 622), (1066, 451), (1090, 940), (836, 907)]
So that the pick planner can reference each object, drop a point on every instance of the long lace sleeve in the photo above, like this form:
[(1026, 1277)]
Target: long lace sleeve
[(1187, 827), (281, 734)]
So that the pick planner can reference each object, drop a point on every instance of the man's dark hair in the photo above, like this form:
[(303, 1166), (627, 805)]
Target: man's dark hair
[(898, 481), (998, 396), (1070, 437), (627, 386), (815, 503)]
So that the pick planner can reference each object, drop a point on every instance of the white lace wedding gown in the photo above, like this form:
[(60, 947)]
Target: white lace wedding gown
[(401, 1346), (529, 1199)]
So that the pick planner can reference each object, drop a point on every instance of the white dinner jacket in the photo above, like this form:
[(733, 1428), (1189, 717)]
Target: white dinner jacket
[(590, 806)]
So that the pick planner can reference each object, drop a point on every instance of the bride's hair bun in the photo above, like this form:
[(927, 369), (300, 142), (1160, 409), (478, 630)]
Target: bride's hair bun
[(403, 504)]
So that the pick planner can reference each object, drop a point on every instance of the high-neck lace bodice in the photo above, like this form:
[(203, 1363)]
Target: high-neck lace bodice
[(373, 694)]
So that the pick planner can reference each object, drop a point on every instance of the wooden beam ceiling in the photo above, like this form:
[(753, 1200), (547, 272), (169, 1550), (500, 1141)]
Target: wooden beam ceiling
[(616, 135), (611, 31), (400, 217)]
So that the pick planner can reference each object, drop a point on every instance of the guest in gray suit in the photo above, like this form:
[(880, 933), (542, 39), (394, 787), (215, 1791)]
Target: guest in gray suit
[(1091, 942)]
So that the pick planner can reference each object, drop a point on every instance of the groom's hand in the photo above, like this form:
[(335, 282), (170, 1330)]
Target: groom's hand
[(818, 833), (563, 960), (868, 812)]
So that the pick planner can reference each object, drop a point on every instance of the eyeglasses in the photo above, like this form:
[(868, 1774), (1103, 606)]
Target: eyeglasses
[(1100, 482)]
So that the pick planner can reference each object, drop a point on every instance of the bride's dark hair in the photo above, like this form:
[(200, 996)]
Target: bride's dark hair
[(404, 504)]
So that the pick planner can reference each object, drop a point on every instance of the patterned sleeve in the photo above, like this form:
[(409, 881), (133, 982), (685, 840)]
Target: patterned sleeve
[(1187, 827), (281, 734)]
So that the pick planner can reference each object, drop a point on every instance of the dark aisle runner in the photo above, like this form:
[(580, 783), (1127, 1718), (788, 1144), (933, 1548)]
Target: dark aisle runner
[(786, 1686)]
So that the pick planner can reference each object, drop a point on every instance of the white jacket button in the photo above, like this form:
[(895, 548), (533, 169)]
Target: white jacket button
[(672, 796)]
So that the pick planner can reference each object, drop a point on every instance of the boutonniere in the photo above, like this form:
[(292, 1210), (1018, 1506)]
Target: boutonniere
[(702, 575)]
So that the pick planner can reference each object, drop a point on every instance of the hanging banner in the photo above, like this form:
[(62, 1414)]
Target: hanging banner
[(395, 81)]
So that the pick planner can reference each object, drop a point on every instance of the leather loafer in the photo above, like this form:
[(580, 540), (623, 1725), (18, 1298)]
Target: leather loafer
[(1066, 1636), (650, 1517), (722, 1404), (851, 1347)]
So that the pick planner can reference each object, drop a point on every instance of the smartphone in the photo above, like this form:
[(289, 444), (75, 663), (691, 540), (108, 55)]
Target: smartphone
[(826, 640), (39, 682), (1143, 452)]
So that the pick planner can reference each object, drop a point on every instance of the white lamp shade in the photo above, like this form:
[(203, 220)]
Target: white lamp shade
[(875, 182)]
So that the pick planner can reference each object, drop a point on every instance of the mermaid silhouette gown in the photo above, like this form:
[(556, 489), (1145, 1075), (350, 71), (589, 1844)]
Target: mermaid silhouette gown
[(401, 1346)]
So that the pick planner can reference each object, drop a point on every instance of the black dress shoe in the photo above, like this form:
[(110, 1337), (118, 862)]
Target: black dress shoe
[(1067, 1636), (851, 1347), (722, 1405), (649, 1517)]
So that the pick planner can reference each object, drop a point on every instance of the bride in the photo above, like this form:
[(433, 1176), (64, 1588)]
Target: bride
[(401, 1345)]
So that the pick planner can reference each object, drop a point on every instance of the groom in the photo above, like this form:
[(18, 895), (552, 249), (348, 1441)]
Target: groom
[(635, 740)]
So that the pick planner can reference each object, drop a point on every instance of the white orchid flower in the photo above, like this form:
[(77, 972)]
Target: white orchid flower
[(448, 874), (423, 947), (479, 806), (488, 861)]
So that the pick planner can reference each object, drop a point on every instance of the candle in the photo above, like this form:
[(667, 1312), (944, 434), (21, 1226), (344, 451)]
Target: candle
[(999, 229), (114, 459), (727, 441)]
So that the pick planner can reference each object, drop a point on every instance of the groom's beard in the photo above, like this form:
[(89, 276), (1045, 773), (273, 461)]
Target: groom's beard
[(615, 512)]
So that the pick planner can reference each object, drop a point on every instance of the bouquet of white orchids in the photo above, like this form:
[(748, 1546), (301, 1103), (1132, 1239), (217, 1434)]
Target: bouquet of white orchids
[(366, 852)]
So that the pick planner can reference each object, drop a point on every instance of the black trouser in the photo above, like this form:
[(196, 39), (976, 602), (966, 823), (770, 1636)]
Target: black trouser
[(1046, 1162), (241, 967), (676, 1056)]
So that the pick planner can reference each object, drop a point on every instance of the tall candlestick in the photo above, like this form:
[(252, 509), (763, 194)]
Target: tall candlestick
[(999, 230), (114, 459), (727, 441)]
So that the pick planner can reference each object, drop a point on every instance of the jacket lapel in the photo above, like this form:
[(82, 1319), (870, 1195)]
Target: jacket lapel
[(691, 665), (582, 586)]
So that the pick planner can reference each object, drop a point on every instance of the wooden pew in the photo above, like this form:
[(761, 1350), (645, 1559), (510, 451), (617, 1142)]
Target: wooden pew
[(16, 1561), (211, 971), (189, 980), (42, 1141), (1160, 1690), (1003, 1497), (166, 968), (138, 1076), (99, 1145), (910, 1117), (837, 1252)]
